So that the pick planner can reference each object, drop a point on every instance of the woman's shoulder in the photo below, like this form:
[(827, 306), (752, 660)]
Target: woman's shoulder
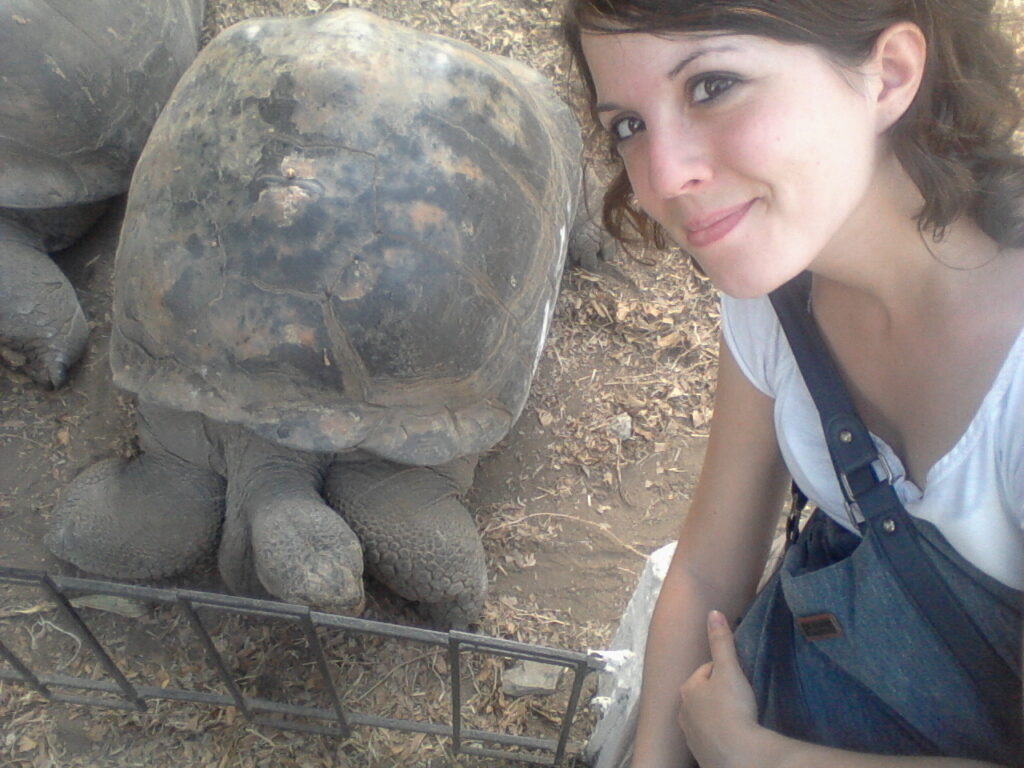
[(753, 318), (752, 332)]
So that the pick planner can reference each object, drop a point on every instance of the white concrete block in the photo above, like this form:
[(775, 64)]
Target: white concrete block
[(618, 688)]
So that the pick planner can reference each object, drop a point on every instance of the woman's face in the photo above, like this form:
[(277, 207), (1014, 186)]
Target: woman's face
[(752, 154)]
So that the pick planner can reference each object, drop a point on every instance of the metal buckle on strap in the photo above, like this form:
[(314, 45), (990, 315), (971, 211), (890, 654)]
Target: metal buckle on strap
[(885, 476)]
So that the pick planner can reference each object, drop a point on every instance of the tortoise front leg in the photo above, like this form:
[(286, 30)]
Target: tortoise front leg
[(418, 538), (42, 327), (149, 517), (279, 536)]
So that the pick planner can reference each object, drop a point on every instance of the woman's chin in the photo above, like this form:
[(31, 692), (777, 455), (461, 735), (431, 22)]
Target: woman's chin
[(737, 284), (740, 283)]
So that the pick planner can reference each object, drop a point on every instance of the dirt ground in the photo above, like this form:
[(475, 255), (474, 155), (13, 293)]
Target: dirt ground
[(594, 476)]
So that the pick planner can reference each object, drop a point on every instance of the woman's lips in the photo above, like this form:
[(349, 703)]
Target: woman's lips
[(712, 228)]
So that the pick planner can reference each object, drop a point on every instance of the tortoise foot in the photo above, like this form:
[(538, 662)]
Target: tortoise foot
[(462, 613), (418, 539), (43, 330), (146, 518)]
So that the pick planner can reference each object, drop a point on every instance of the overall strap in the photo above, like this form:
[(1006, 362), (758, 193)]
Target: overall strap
[(866, 483)]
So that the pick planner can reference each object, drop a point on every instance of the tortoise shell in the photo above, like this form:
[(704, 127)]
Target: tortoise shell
[(345, 233), (82, 84)]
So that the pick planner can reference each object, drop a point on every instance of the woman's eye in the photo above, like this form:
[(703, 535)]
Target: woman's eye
[(626, 127), (711, 87)]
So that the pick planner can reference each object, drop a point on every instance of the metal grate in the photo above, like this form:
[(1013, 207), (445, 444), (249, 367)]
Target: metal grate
[(118, 692)]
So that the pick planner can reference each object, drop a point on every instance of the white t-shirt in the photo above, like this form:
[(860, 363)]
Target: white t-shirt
[(974, 494)]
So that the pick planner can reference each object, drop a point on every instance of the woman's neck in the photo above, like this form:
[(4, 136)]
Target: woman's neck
[(919, 328), (882, 255)]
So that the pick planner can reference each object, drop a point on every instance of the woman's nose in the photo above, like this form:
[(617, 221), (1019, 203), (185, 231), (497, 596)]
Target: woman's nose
[(678, 162)]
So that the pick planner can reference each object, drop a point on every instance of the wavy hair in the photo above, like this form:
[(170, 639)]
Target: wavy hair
[(955, 140)]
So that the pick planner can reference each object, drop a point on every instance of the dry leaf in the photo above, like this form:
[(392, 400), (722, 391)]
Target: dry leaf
[(122, 606), (670, 340)]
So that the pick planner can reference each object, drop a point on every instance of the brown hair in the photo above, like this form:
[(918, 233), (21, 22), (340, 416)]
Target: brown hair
[(955, 140)]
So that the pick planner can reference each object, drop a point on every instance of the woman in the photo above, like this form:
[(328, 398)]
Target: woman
[(868, 143)]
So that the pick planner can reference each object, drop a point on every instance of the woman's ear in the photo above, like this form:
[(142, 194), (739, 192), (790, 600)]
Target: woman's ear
[(898, 62)]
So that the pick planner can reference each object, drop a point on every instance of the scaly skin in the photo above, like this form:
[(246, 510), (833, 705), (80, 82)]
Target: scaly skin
[(150, 517), (418, 539), (157, 514), (279, 535), (41, 322)]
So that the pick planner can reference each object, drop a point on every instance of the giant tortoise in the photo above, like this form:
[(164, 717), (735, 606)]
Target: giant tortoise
[(80, 86), (341, 252)]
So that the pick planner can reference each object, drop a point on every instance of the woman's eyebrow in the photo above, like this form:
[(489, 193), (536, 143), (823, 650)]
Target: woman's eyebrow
[(672, 73)]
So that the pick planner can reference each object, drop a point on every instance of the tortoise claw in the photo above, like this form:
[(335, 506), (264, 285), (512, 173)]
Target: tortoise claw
[(43, 330)]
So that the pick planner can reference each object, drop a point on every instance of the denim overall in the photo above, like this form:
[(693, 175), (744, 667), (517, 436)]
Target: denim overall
[(889, 642), (877, 678)]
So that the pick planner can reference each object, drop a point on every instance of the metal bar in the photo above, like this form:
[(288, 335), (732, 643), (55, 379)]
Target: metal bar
[(536, 652), (272, 707), (380, 628), (313, 640), (249, 606), (22, 575), (455, 671), (333, 721), (529, 742), (579, 673), (214, 657), (87, 637), (274, 608), (233, 603), (275, 708), (26, 674), (295, 725)]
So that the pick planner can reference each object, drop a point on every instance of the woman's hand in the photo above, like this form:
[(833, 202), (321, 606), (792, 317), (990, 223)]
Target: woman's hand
[(718, 712)]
